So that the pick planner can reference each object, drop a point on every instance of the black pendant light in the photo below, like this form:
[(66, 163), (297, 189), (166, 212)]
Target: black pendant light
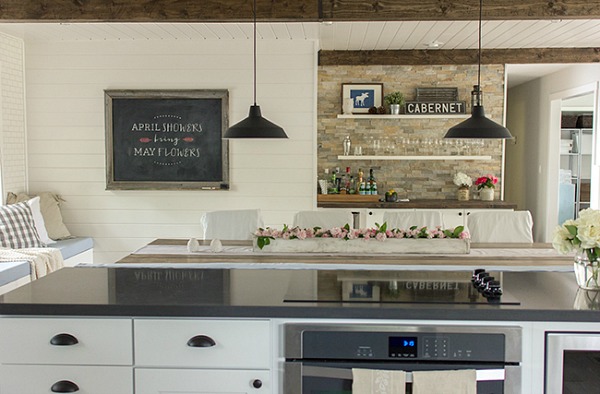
[(478, 126), (255, 126)]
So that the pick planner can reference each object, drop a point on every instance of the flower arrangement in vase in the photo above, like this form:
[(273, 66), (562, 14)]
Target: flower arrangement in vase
[(486, 185), (582, 236), (464, 182)]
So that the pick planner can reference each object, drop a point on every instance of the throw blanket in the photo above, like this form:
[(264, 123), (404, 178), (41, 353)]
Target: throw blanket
[(42, 260)]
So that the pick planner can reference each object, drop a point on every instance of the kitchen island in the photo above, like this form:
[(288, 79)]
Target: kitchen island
[(114, 310)]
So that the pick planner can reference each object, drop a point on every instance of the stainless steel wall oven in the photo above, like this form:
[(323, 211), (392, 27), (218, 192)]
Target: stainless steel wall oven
[(320, 357)]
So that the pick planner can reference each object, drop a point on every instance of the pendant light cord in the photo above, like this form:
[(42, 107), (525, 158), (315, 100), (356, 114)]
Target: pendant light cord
[(479, 45), (254, 13)]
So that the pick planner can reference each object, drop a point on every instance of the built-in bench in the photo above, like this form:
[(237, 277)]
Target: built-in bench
[(74, 251)]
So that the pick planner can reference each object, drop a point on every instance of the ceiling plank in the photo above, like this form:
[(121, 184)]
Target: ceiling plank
[(460, 56), (290, 11)]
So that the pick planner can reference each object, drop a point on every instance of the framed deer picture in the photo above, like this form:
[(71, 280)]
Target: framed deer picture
[(364, 96)]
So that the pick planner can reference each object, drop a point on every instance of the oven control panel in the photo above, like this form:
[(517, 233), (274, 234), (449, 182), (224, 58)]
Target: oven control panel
[(408, 346)]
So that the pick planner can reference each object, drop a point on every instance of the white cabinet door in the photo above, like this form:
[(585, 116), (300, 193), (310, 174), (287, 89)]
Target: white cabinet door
[(76, 341), (376, 215), (202, 343), (453, 217), (34, 379), (190, 381)]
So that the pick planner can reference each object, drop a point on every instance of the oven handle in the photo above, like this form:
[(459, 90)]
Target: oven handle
[(341, 373)]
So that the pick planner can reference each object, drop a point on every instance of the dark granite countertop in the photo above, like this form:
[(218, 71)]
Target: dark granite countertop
[(307, 293)]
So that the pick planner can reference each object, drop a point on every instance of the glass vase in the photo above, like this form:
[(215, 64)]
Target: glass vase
[(587, 272)]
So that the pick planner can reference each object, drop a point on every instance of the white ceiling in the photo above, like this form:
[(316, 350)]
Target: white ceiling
[(409, 35)]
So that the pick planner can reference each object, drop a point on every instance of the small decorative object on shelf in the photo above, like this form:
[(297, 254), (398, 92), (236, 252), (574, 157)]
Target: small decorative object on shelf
[(348, 106), (582, 236), (347, 144), (486, 185), (394, 100), (391, 196), (464, 182)]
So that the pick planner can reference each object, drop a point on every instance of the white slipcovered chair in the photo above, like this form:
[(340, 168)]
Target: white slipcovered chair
[(407, 219), (231, 225), (323, 219), (501, 226)]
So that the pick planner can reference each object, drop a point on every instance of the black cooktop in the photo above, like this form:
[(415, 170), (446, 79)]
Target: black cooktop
[(403, 287)]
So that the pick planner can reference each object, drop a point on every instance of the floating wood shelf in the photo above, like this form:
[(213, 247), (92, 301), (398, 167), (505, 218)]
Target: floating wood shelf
[(403, 116), (455, 157)]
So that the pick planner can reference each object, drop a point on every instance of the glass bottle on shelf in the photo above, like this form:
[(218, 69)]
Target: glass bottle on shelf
[(372, 183), (351, 185)]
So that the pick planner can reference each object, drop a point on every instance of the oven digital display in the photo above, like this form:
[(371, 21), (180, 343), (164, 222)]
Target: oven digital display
[(403, 347)]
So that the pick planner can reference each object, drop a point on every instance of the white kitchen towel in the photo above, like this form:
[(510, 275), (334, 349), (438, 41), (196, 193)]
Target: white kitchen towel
[(378, 381), (445, 382)]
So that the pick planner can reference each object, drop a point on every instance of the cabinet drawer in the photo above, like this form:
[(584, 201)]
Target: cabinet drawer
[(189, 381), (35, 379), (98, 341), (237, 343)]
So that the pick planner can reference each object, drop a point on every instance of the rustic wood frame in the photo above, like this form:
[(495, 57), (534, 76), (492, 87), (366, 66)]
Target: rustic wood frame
[(377, 92), (113, 184)]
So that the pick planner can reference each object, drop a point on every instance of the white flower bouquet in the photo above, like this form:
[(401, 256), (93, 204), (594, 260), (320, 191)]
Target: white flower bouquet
[(582, 236), (462, 180)]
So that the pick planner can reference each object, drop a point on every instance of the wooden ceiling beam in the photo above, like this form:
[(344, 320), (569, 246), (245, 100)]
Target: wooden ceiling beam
[(459, 56), (157, 10), (443, 10), (290, 10)]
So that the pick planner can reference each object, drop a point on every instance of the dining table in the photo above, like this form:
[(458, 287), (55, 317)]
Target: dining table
[(242, 254)]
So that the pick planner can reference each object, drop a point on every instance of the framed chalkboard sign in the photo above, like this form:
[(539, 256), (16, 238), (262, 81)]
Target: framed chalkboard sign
[(166, 139)]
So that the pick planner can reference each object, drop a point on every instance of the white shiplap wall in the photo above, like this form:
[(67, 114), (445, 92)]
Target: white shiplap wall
[(12, 116), (65, 114)]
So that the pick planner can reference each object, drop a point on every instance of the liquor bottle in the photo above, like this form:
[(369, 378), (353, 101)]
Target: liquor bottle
[(361, 189), (338, 180), (344, 184), (372, 183), (360, 176), (334, 188), (351, 185)]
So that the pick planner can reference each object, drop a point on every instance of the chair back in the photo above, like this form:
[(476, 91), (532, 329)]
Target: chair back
[(323, 219), (407, 219), (501, 226), (231, 225)]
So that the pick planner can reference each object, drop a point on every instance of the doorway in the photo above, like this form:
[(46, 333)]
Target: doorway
[(578, 172)]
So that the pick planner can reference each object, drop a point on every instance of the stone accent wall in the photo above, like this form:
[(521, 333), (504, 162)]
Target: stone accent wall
[(418, 179)]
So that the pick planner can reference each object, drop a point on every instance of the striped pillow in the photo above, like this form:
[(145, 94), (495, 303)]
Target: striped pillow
[(17, 229)]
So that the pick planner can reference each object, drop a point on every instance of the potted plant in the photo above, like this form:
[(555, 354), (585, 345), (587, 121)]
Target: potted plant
[(391, 196), (486, 185), (394, 100)]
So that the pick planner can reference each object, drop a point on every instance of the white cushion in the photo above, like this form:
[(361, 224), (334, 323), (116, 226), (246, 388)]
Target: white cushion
[(407, 219), (501, 226), (38, 220), (50, 207), (17, 229), (323, 219), (231, 225)]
